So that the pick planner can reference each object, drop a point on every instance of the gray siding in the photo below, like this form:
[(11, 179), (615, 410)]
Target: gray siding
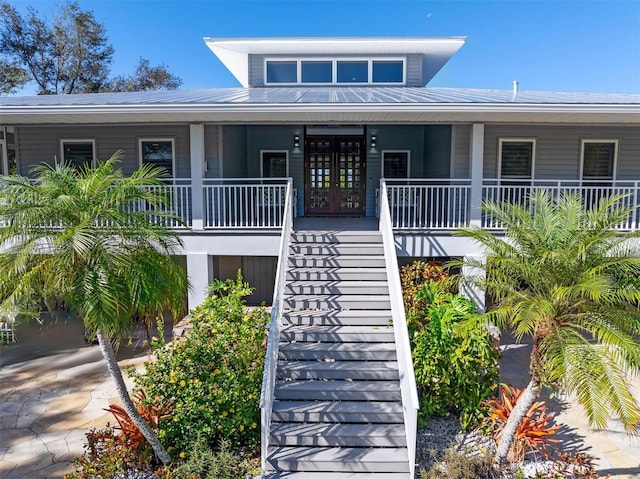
[(41, 144), (256, 69), (260, 273), (211, 151), (234, 145), (437, 151), (280, 137), (558, 148), (461, 144)]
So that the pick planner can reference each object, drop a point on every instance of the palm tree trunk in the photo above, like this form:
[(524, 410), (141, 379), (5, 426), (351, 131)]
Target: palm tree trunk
[(127, 403), (508, 433)]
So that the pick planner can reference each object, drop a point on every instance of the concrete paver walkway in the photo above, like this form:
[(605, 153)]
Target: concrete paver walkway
[(54, 389)]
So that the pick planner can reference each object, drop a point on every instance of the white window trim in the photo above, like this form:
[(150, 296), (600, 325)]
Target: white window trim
[(78, 140), (286, 155), (173, 151), (533, 141), (334, 70), (384, 152), (583, 142)]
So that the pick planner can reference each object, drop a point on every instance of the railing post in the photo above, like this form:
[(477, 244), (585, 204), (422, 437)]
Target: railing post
[(476, 159), (196, 136)]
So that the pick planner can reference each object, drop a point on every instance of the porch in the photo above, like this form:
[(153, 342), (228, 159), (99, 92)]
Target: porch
[(416, 205)]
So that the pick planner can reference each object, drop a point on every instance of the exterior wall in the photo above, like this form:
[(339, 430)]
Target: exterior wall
[(558, 148), (234, 145), (256, 68), (41, 144), (460, 140), (437, 151), (212, 153)]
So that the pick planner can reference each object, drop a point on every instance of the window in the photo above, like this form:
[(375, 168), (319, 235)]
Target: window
[(282, 72), (317, 72), (275, 164), (78, 153), (395, 164), (517, 157), (353, 72), (388, 72), (599, 159), (327, 71), (158, 152)]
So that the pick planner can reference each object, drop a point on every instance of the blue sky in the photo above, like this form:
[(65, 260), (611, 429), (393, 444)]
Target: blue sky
[(561, 45)]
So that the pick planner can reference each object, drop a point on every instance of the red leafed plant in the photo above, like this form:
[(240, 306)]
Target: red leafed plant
[(532, 434), (152, 414)]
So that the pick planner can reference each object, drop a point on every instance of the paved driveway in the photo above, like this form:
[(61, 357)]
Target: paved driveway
[(54, 390)]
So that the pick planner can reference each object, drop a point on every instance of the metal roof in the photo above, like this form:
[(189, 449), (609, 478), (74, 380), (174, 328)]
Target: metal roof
[(323, 105), (324, 95)]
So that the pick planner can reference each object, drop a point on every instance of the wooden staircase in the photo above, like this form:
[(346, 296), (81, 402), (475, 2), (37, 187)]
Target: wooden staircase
[(337, 411)]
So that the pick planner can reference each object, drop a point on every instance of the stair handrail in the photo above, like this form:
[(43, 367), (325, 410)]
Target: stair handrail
[(271, 358), (408, 389)]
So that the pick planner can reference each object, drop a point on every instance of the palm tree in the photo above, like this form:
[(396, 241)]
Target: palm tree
[(565, 276), (86, 236)]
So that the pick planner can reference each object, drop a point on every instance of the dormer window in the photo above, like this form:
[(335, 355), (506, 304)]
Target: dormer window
[(328, 71)]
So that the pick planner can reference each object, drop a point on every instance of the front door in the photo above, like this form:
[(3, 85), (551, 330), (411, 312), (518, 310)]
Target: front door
[(334, 175)]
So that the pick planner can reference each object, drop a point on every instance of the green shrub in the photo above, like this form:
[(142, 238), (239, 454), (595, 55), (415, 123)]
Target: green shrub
[(214, 375), (413, 276), (455, 368)]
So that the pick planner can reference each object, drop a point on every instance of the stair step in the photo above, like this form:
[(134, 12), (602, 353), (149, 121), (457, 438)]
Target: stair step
[(338, 411), (337, 274), (343, 435), (336, 237), (337, 318), (338, 390), (339, 351), (337, 248), (339, 459), (338, 334), (337, 261), (337, 287), (356, 370), (338, 301)]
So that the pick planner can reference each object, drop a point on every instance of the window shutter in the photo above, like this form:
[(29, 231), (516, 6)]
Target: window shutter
[(517, 158), (598, 160)]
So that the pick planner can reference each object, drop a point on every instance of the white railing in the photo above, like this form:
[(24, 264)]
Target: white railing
[(408, 389), (271, 359), (176, 193), (433, 204), (244, 202), (592, 192)]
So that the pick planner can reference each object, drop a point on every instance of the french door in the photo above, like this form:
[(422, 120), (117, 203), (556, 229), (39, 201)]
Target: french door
[(334, 175)]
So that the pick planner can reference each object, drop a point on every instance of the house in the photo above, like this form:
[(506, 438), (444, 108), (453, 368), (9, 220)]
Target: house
[(350, 121)]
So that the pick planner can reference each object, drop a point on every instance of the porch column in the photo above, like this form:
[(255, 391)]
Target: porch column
[(476, 159), (198, 272), (470, 275), (196, 136)]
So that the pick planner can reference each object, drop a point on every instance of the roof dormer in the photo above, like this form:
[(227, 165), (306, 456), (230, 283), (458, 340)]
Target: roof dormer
[(334, 61)]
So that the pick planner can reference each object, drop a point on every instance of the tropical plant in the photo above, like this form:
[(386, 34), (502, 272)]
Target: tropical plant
[(74, 235), (456, 369), (412, 277), (565, 276), (533, 432)]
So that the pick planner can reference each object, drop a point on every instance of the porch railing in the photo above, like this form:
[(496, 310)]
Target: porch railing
[(445, 204), (177, 194), (244, 202), (438, 204), (408, 388), (592, 192), (271, 360)]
